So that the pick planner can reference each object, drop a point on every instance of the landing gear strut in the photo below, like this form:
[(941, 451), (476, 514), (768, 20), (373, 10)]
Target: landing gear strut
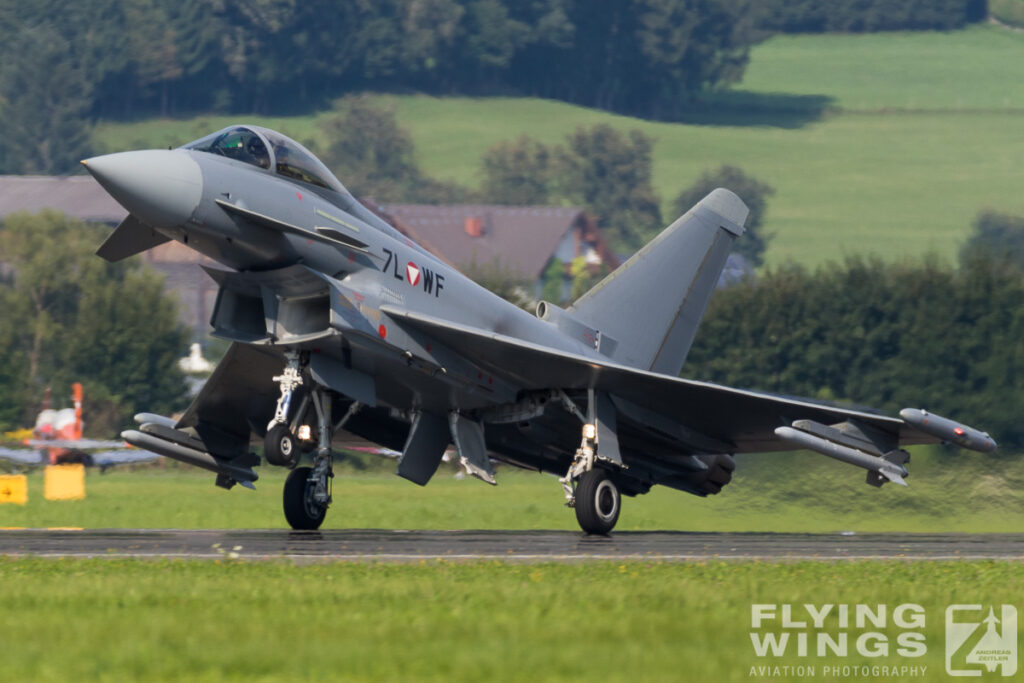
[(280, 445), (589, 490), (307, 491)]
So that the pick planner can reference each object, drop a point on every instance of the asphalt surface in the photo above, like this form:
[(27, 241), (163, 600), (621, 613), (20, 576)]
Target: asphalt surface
[(563, 546)]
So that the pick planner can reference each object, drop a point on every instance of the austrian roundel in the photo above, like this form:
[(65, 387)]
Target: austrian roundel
[(412, 273)]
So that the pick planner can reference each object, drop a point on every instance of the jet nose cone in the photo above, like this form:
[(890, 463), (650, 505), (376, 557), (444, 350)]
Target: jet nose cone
[(160, 187)]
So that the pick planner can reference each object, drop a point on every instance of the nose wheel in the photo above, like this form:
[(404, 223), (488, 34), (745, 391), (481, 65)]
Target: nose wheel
[(280, 446)]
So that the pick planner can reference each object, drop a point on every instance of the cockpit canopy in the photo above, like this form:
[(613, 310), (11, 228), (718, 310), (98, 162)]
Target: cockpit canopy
[(268, 149)]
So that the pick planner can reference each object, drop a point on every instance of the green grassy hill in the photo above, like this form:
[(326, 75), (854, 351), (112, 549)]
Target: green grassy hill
[(979, 68), (886, 143)]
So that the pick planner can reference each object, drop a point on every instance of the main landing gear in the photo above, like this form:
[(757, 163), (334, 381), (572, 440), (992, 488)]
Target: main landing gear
[(305, 505), (307, 490), (597, 502), (589, 489)]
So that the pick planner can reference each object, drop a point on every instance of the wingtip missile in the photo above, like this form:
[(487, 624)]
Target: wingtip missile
[(948, 430)]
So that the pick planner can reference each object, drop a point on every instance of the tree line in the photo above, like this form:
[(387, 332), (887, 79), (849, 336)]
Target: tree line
[(124, 58), (913, 334), (65, 64), (862, 16)]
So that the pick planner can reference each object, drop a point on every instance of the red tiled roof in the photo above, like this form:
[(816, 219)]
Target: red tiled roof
[(518, 238)]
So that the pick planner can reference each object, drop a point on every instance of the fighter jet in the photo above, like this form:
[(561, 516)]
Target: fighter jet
[(338, 321)]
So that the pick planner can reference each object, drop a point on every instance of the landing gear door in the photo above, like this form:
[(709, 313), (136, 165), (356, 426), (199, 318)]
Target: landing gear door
[(607, 436), (468, 436), (427, 442)]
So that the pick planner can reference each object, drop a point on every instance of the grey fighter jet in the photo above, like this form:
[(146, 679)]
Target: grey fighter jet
[(338, 321)]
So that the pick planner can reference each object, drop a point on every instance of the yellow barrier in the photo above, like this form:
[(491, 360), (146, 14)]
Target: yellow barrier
[(64, 482), (14, 489)]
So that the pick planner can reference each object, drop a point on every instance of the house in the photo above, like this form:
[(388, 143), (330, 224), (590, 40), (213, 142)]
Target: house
[(518, 242)]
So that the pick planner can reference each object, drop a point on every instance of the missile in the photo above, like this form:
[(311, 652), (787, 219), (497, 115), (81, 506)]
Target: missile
[(239, 470), (152, 418), (890, 466), (948, 430)]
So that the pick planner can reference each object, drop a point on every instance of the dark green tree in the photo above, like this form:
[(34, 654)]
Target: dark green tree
[(999, 234), (490, 39), (375, 157), (517, 172), (70, 316), (609, 173), (430, 29), (45, 97), (815, 16), (752, 191), (367, 149), (14, 385), (600, 169), (170, 47)]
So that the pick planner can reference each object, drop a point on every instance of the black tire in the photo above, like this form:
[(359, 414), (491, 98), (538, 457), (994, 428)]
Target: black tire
[(598, 502), (280, 447), (299, 509)]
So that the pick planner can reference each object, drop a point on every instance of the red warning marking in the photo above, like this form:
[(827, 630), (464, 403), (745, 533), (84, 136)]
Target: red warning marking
[(412, 273), (383, 332), (299, 195)]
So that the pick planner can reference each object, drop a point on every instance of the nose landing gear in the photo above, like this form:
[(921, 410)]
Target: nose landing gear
[(307, 490), (280, 445)]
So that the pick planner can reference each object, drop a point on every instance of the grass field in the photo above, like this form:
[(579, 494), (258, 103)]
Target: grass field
[(798, 492), (204, 621), (979, 68), (885, 143)]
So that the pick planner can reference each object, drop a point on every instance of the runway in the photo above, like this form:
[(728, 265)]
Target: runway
[(521, 546)]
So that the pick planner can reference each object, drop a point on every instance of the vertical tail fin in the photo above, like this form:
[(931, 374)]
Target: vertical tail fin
[(653, 303)]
